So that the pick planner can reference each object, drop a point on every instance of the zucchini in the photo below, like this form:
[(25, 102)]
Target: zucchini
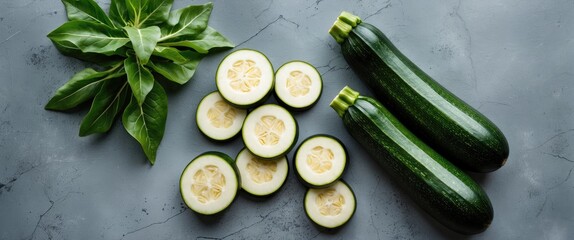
[(298, 85), (209, 183), (245, 78), (332, 207), (218, 120), (320, 161), (440, 188), (434, 114), (269, 131), (261, 177)]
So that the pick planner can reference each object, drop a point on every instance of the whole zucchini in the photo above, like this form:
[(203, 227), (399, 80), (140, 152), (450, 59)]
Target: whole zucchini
[(438, 117), (444, 191)]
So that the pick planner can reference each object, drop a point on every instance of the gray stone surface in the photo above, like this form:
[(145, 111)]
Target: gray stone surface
[(513, 60)]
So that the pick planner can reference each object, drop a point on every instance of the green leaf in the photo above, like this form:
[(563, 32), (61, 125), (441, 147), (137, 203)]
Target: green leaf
[(188, 21), (140, 78), (89, 37), (81, 87), (108, 102), (178, 73), (144, 13), (143, 41), (146, 122), (204, 42), (119, 13), (71, 50), (86, 10), (170, 53)]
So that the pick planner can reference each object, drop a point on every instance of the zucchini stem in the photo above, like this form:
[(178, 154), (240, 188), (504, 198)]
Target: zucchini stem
[(343, 100), (343, 25)]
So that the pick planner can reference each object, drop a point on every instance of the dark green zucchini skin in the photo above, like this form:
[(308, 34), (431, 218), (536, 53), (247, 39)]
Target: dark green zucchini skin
[(437, 116), (444, 191)]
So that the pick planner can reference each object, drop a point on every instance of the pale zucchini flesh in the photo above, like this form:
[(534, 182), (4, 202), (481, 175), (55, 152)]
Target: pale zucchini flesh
[(245, 78), (217, 119), (261, 177), (209, 183), (269, 131)]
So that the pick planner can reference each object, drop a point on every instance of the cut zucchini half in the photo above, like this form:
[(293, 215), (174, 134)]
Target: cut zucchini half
[(269, 131), (298, 85), (209, 183), (330, 207), (320, 161), (218, 120), (245, 78), (261, 177)]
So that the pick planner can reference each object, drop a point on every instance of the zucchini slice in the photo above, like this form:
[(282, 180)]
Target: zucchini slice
[(209, 183), (261, 177), (298, 85), (330, 207), (218, 120), (320, 161), (269, 131), (245, 78)]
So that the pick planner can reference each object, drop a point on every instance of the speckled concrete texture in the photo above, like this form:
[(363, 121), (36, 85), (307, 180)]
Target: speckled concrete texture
[(513, 60)]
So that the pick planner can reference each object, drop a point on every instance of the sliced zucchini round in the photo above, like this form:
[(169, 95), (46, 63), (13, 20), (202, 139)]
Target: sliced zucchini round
[(261, 177), (269, 131), (218, 120), (245, 78), (320, 161), (209, 183), (298, 85), (330, 207)]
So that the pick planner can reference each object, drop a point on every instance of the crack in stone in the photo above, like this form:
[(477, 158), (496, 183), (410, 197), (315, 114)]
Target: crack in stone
[(263, 217), (51, 12), (482, 103), (8, 186), (456, 13), (388, 5), (11, 36), (542, 207), (559, 157), (155, 223), (563, 181), (552, 138), (52, 204), (332, 68), (265, 27), (315, 236), (371, 206), (265, 10), (41, 217), (200, 237)]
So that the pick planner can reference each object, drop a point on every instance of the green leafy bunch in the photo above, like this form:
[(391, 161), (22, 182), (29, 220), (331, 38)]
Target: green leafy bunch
[(137, 43)]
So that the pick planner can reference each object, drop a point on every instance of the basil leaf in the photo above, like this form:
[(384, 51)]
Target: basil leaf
[(86, 10), (143, 41), (71, 50), (178, 73), (188, 21), (108, 102), (81, 87), (204, 42), (140, 78), (170, 53), (146, 122), (118, 13), (148, 12), (89, 37)]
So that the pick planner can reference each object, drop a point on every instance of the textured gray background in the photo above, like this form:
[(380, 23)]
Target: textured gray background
[(513, 60)]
